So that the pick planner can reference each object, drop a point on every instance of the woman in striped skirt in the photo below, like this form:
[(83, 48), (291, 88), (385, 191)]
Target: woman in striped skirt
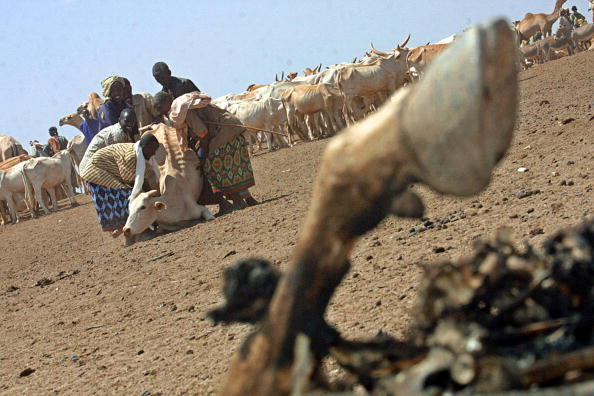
[(112, 175)]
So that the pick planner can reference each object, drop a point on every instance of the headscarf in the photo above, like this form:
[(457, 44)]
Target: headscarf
[(182, 119), (108, 82), (184, 103)]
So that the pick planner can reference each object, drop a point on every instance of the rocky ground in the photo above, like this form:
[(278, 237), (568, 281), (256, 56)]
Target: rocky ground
[(83, 315)]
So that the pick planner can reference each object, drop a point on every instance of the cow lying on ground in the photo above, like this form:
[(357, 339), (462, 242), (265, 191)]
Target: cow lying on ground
[(448, 133), (174, 204)]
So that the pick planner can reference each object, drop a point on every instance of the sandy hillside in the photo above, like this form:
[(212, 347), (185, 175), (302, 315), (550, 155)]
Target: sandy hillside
[(123, 321)]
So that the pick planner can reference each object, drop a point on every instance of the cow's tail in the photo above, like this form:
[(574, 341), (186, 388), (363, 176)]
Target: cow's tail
[(74, 168), (29, 196), (290, 130), (345, 108)]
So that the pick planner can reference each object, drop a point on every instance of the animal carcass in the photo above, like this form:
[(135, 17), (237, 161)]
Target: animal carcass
[(364, 176)]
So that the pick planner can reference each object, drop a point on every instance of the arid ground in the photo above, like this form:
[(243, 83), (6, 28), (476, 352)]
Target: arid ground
[(92, 317)]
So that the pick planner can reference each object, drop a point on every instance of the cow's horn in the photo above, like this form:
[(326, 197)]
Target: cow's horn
[(400, 46), (276, 77)]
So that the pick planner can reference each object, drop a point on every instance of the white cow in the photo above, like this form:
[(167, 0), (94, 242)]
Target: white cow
[(382, 77), (311, 101), (49, 173), (266, 114), (12, 189)]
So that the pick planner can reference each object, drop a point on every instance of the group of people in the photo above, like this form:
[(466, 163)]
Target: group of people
[(115, 160)]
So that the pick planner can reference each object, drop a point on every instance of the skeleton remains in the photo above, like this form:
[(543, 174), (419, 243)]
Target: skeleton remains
[(446, 133)]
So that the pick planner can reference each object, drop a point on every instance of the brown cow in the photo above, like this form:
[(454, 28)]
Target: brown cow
[(364, 176), (426, 53)]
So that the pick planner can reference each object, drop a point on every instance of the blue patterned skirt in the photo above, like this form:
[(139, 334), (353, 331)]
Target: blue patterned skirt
[(111, 205)]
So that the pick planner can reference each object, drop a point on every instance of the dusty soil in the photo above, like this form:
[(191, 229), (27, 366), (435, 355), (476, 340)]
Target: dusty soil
[(123, 321)]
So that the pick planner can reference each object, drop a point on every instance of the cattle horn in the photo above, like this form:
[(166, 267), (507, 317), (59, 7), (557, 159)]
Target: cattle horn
[(401, 46), (319, 68), (276, 77), (282, 76), (377, 52)]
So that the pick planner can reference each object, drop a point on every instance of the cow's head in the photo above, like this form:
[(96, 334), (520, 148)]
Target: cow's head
[(143, 212)]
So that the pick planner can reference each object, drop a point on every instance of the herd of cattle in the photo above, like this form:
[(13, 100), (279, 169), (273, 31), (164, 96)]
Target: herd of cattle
[(566, 41), (318, 104), (28, 183)]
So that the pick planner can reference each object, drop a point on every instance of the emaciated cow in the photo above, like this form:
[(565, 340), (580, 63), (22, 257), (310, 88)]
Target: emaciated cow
[(309, 100), (174, 205)]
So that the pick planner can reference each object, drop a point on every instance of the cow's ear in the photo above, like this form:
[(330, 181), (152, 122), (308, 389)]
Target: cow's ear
[(160, 205)]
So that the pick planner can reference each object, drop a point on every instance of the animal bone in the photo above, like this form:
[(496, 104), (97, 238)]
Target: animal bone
[(448, 133)]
